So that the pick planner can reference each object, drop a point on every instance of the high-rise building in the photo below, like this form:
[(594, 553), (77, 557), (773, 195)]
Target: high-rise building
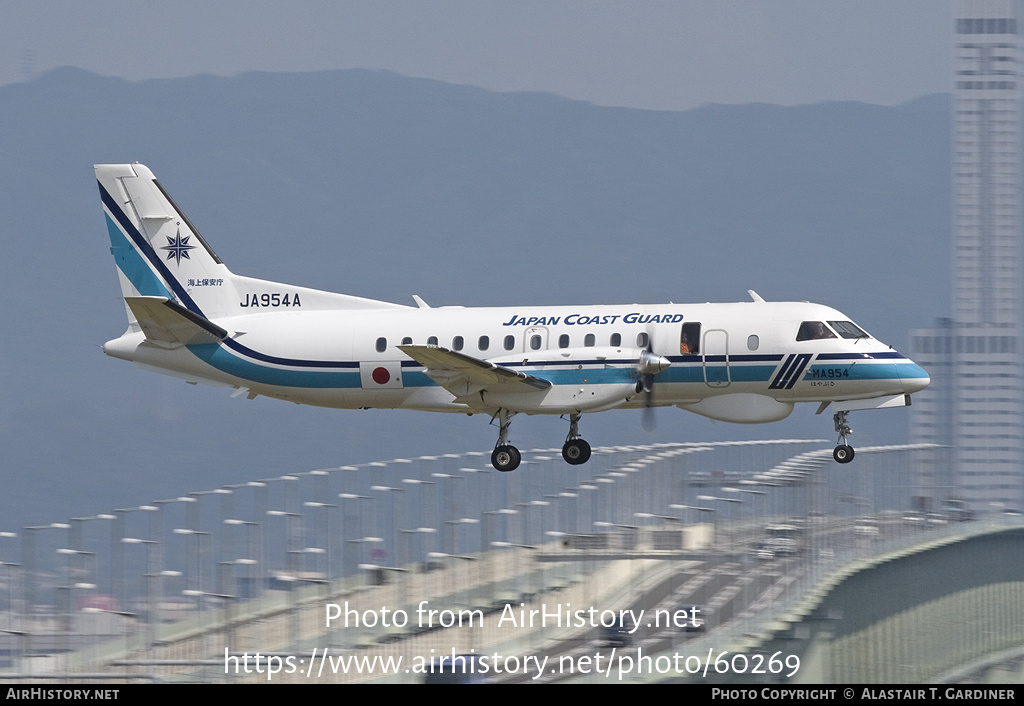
[(975, 403)]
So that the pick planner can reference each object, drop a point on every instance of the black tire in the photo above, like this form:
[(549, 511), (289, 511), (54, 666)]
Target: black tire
[(843, 453), (576, 452), (505, 458)]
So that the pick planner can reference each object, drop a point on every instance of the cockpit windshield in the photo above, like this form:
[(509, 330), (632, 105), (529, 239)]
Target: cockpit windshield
[(848, 329), (813, 331)]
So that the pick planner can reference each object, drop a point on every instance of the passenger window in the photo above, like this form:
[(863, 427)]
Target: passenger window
[(535, 342), (406, 341), (484, 343), (510, 342), (432, 341), (689, 339), (813, 331), (563, 341), (382, 345), (616, 340), (457, 343), (589, 340), (642, 339), (752, 342)]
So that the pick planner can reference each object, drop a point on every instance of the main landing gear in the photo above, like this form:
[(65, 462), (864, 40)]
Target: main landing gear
[(844, 452), (506, 457), (575, 451)]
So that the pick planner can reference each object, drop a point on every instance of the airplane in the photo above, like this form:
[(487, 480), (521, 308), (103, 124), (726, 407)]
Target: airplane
[(744, 362)]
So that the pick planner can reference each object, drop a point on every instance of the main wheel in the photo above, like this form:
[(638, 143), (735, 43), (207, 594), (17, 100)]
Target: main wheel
[(505, 458), (576, 452), (843, 453)]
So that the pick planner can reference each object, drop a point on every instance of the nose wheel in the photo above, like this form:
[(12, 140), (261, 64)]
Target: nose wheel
[(575, 451), (843, 453)]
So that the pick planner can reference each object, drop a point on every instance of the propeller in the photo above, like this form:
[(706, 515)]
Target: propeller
[(649, 365)]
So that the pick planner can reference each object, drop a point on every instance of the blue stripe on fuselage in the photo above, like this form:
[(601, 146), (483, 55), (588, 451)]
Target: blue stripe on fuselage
[(217, 356), (345, 374)]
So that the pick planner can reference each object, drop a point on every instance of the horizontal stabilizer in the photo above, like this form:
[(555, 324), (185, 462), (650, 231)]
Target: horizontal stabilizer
[(164, 321), (447, 367)]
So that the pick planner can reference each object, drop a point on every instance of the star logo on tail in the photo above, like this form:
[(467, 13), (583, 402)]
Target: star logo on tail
[(178, 247)]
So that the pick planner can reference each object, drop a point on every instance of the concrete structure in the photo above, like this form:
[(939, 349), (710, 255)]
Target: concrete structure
[(976, 402), (850, 595)]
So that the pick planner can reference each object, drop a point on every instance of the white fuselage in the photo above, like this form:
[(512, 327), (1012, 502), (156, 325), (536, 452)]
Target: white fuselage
[(588, 354)]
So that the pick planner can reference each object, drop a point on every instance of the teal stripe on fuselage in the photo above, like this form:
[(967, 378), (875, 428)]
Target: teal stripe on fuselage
[(130, 262), (858, 371), (416, 378), (751, 373), (228, 362), (587, 376), (217, 356), (681, 373), (225, 361), (912, 371)]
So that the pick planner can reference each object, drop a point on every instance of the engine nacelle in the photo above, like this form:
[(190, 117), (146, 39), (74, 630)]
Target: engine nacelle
[(563, 399)]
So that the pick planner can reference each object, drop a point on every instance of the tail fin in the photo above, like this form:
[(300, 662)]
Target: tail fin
[(159, 253), (157, 250)]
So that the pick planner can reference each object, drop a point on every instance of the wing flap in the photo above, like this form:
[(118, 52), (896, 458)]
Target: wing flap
[(167, 322), (457, 372)]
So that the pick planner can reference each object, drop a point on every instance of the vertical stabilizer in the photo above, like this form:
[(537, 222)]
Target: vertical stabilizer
[(157, 250)]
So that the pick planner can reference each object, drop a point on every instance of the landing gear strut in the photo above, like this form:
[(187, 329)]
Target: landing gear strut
[(505, 457), (843, 453), (575, 451)]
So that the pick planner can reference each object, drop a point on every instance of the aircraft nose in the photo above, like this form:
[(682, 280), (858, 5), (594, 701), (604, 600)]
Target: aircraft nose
[(913, 377)]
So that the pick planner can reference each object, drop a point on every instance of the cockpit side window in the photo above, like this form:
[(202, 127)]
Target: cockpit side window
[(813, 331), (848, 329), (689, 339)]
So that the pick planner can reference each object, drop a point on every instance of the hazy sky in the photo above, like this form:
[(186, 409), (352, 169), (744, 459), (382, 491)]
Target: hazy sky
[(667, 55)]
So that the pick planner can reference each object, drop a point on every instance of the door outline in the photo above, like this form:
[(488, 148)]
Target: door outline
[(715, 353)]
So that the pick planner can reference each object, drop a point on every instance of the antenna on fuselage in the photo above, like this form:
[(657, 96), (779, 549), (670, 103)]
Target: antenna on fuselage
[(754, 296)]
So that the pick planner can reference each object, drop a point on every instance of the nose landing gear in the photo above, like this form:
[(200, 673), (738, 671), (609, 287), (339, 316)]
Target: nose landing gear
[(843, 453)]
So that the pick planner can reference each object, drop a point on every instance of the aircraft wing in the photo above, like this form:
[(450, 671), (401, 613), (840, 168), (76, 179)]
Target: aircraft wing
[(166, 322), (462, 374)]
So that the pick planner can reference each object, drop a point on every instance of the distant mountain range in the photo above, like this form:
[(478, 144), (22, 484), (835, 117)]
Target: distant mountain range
[(383, 186)]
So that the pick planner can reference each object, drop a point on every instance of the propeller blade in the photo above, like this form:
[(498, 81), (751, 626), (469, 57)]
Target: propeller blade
[(649, 365), (648, 419)]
